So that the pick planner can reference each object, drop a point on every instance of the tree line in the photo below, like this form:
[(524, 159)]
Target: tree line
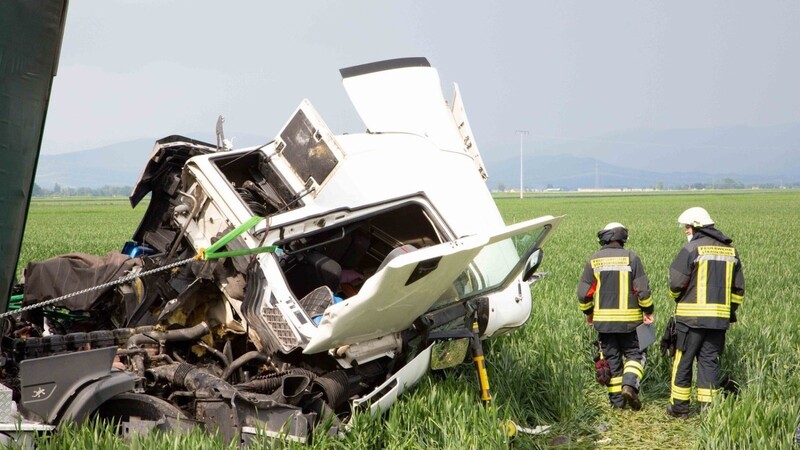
[(67, 191), (724, 183)]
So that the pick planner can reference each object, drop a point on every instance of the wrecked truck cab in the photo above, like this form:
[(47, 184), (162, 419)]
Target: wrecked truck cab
[(308, 276)]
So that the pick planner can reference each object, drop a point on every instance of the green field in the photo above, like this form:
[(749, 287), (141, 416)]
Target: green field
[(543, 373)]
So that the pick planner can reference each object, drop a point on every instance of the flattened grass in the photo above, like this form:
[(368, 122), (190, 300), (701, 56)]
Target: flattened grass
[(542, 373)]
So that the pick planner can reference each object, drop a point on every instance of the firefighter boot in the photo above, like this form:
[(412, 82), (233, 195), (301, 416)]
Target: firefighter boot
[(678, 414), (632, 397)]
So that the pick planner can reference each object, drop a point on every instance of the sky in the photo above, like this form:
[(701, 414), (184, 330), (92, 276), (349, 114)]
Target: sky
[(563, 70)]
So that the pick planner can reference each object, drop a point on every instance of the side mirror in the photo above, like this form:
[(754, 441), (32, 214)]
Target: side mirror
[(446, 354), (533, 263)]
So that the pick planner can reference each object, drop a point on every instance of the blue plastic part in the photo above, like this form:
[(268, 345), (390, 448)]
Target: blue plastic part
[(128, 247), (133, 249), (142, 251)]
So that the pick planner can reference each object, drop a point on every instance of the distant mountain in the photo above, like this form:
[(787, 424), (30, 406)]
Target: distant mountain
[(572, 172), (636, 159), (113, 165), (640, 158), (772, 151)]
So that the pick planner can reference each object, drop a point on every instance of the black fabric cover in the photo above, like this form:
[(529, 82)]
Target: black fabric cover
[(73, 272)]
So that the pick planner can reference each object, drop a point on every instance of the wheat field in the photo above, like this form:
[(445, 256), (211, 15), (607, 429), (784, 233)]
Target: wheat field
[(542, 373)]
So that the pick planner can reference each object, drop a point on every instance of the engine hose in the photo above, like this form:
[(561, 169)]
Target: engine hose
[(184, 334), (189, 377), (335, 386), (267, 384), (218, 354), (293, 388), (264, 385), (242, 360)]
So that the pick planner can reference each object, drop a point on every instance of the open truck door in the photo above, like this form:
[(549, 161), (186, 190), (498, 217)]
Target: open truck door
[(413, 282)]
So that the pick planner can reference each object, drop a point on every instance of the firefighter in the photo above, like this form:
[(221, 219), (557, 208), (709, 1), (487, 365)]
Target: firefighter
[(707, 283), (614, 294)]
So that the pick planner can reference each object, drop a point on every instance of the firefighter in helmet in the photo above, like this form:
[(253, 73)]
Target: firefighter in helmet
[(707, 283), (614, 294)]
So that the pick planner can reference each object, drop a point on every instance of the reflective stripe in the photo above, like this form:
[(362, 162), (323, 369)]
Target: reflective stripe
[(635, 368), (716, 258), (674, 294), (630, 315), (702, 282), (585, 306), (623, 292), (614, 389), (613, 269), (706, 310), (646, 303), (615, 381), (612, 263), (728, 282), (707, 306), (677, 392), (737, 298), (706, 395)]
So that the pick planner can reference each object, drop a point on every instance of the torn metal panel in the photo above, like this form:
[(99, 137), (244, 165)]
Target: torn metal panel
[(460, 116)]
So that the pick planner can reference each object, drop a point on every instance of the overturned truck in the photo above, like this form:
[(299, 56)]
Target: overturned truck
[(272, 289)]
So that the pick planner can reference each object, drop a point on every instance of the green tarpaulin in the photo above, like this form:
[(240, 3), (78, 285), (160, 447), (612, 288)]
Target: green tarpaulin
[(30, 43)]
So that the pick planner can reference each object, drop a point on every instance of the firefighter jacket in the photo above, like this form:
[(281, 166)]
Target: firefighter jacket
[(615, 289), (706, 280)]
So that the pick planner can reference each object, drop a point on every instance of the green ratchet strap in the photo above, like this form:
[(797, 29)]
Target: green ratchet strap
[(15, 302), (212, 253), (247, 251)]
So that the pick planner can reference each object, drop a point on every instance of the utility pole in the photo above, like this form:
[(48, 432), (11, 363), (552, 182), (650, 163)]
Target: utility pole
[(596, 176), (521, 133)]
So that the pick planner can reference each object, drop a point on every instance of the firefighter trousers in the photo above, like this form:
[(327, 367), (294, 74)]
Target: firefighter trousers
[(705, 346), (617, 347)]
